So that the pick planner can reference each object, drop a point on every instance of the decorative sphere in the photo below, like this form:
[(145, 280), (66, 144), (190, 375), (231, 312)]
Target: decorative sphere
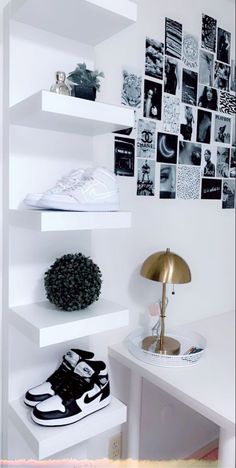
[(73, 282)]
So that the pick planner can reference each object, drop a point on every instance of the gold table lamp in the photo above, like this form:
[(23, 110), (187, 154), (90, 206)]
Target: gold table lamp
[(166, 267)]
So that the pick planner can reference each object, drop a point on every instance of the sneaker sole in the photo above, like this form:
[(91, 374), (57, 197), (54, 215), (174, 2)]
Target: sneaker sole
[(63, 206), (72, 419), (31, 404)]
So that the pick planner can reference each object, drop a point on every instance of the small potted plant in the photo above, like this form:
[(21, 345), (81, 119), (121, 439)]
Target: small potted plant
[(85, 83)]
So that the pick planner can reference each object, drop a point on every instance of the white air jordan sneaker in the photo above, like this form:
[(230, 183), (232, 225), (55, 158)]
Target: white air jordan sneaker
[(32, 200), (97, 190)]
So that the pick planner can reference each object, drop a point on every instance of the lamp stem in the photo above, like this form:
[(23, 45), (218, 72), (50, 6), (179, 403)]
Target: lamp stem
[(163, 310)]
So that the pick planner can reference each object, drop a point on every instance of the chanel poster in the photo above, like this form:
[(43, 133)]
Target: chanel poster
[(188, 122), (189, 87), (131, 89), (209, 33), (172, 76), (228, 194), (211, 189), (173, 38), (152, 100), (222, 129), (146, 177), (154, 58), (227, 103), (171, 113), (188, 182), (167, 146), (223, 45), (190, 153), (204, 119), (167, 181), (206, 68), (124, 156), (146, 139), (190, 51)]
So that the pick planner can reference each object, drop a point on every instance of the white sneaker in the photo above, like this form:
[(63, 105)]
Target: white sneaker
[(97, 190), (33, 199)]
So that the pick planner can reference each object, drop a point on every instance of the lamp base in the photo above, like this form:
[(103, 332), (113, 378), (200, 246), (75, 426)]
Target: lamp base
[(170, 346)]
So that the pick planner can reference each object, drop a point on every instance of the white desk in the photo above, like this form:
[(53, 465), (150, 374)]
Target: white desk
[(208, 387)]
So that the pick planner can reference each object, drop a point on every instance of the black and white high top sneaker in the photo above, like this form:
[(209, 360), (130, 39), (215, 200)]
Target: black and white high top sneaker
[(86, 391), (49, 388)]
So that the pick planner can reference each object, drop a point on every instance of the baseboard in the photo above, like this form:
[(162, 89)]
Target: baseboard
[(203, 451)]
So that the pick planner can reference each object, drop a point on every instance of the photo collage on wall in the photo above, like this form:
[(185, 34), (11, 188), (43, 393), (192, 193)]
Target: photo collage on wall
[(183, 145)]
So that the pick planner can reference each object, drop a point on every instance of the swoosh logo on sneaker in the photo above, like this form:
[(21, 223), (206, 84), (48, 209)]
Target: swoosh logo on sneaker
[(89, 399)]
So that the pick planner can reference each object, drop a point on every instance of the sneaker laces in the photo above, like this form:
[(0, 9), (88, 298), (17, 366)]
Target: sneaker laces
[(58, 376), (80, 183), (65, 182), (73, 388)]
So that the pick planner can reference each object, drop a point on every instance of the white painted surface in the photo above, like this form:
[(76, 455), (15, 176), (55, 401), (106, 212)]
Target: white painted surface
[(45, 325), (49, 221), (50, 111), (208, 387), (46, 441), (88, 21)]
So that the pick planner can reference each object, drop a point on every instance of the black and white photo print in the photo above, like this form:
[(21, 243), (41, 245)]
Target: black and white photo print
[(208, 97), (190, 51), (221, 76), (204, 122), (167, 147), (188, 182), (234, 130), (146, 177), (227, 103), (206, 68), (189, 87), (211, 189), (188, 122), (228, 194), (131, 89), (172, 76), (171, 113), (124, 150), (223, 45), (232, 168), (173, 38), (154, 58), (146, 139), (167, 181), (222, 129), (209, 26), (208, 161), (233, 76), (152, 100), (222, 163), (190, 153)]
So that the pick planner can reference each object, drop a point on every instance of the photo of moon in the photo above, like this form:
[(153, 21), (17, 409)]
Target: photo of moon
[(167, 148)]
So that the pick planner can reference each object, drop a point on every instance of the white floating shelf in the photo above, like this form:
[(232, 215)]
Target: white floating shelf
[(45, 325), (47, 441), (51, 221), (87, 21), (51, 111)]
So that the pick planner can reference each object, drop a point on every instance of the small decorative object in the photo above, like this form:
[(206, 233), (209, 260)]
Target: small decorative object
[(166, 267), (73, 282), (85, 83), (154, 311), (60, 86)]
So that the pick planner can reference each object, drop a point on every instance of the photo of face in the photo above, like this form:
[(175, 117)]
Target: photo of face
[(167, 181), (208, 98), (222, 166)]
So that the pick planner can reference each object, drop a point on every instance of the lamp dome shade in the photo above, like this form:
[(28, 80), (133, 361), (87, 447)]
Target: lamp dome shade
[(166, 267)]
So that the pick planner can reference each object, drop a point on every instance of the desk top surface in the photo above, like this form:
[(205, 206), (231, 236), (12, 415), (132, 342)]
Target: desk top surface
[(209, 386)]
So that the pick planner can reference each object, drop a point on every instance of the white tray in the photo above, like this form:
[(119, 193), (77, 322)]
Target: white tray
[(187, 340)]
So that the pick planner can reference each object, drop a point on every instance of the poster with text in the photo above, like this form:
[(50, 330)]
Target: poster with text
[(124, 149), (211, 189), (190, 51), (222, 129), (171, 113), (146, 139), (208, 168)]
